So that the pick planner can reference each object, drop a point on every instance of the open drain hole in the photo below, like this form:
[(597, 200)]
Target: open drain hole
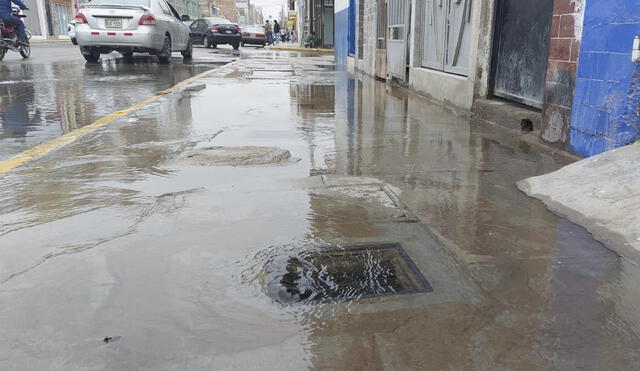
[(344, 274)]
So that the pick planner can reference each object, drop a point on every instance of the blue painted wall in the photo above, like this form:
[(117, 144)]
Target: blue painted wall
[(607, 93), (341, 45), (341, 19), (351, 36)]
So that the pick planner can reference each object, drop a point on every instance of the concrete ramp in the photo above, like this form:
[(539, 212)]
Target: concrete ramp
[(601, 193)]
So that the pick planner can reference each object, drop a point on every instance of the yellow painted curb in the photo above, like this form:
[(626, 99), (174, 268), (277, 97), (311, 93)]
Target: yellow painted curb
[(49, 146), (295, 49)]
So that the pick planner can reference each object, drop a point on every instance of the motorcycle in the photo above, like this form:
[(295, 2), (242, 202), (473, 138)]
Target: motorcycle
[(9, 38)]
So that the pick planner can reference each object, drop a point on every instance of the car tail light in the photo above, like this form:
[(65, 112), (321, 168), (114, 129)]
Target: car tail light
[(80, 18), (214, 29), (260, 35), (147, 20)]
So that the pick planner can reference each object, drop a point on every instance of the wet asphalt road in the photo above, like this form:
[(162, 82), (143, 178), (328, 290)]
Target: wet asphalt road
[(55, 91), (186, 266)]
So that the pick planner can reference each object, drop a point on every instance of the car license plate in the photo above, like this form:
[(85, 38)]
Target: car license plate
[(113, 23), (228, 31)]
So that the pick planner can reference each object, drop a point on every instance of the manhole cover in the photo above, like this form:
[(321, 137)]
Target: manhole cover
[(344, 274)]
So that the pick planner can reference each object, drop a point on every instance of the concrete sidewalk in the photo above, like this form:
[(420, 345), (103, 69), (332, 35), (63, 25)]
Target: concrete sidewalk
[(50, 41), (601, 193), (293, 48)]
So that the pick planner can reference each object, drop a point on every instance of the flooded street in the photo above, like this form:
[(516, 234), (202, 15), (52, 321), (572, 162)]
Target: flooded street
[(56, 92), (288, 216)]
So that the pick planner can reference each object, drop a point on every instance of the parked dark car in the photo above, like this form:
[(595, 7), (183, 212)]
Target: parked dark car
[(254, 35), (212, 32)]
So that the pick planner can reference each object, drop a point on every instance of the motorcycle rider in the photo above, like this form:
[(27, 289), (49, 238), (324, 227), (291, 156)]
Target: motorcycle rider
[(9, 19)]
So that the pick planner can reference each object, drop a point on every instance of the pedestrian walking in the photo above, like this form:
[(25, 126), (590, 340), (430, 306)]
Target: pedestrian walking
[(276, 32), (268, 30)]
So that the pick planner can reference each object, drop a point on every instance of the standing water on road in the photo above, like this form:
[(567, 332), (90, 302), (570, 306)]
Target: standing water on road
[(390, 236), (42, 99)]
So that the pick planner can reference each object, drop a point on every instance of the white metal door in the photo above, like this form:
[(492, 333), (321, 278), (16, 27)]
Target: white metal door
[(433, 48), (458, 37), (398, 32), (447, 33), (381, 40)]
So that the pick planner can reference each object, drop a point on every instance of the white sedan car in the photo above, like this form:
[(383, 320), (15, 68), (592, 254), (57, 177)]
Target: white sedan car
[(131, 26)]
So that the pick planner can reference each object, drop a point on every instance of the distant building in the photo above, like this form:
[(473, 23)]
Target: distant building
[(208, 8), (259, 16), (244, 15), (227, 9), (186, 7), (315, 16), (252, 14)]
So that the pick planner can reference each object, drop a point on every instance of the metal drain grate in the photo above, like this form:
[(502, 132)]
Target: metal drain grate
[(344, 274)]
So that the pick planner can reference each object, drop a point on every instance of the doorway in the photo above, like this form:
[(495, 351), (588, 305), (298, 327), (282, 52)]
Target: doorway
[(397, 36), (521, 50), (381, 40)]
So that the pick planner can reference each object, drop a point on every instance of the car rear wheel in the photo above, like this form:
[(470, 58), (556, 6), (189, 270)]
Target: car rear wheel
[(236, 46), (242, 44), (3, 52), (214, 45), (25, 50), (188, 52), (165, 54), (206, 42), (90, 54)]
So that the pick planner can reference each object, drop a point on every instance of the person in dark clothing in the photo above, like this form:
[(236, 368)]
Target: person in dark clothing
[(11, 20), (276, 31)]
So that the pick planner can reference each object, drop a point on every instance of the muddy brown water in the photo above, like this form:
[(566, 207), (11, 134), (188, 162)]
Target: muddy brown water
[(116, 237)]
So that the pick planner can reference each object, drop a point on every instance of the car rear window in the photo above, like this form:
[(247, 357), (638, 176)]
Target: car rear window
[(218, 21), (255, 29), (146, 3)]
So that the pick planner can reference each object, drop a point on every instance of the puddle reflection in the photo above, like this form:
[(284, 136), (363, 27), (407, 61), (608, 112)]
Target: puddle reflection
[(42, 101)]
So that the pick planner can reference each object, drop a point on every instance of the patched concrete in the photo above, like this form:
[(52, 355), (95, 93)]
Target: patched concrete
[(601, 193), (195, 88), (236, 156)]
